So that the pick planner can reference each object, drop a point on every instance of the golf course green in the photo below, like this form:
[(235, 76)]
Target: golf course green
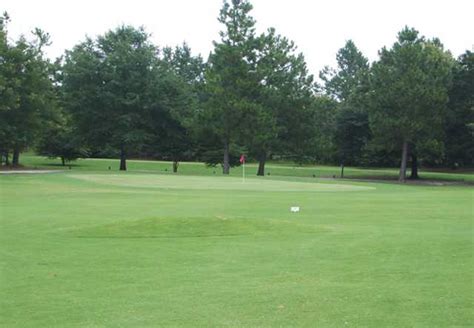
[(98, 248)]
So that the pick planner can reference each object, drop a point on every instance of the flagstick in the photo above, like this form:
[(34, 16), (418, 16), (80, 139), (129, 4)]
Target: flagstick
[(243, 172)]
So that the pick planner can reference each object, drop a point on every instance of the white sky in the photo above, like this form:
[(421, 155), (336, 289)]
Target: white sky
[(319, 28)]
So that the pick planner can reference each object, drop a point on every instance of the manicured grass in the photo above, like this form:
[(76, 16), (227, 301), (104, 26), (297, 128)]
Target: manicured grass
[(272, 169), (85, 248)]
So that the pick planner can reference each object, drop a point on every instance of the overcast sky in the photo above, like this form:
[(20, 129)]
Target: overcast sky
[(319, 28)]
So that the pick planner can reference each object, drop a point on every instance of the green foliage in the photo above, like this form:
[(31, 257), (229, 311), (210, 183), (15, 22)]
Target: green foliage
[(27, 95), (6, 91), (322, 121), (285, 90), (107, 84), (59, 140), (459, 127), (120, 95), (179, 86), (259, 89), (409, 92), (348, 84), (349, 76), (212, 155), (7, 94), (409, 87), (188, 67), (230, 78), (352, 133)]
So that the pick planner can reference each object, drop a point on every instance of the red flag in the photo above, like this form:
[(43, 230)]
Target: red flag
[(242, 159)]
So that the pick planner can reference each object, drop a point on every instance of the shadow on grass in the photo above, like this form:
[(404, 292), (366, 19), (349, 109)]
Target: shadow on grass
[(60, 165)]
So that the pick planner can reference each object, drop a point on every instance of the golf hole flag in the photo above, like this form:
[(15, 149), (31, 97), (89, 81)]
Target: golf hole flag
[(242, 161)]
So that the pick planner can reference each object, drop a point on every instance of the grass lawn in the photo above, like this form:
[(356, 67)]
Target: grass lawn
[(90, 247), (272, 169)]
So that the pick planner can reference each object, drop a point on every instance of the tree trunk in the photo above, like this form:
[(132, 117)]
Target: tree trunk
[(175, 166), (342, 170), (261, 164), (123, 159), (16, 157), (63, 161), (226, 164), (7, 158), (403, 165), (414, 167)]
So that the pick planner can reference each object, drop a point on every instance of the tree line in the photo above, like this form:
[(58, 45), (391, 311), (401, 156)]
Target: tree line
[(119, 95)]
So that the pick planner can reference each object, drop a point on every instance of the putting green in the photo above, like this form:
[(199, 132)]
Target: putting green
[(212, 183)]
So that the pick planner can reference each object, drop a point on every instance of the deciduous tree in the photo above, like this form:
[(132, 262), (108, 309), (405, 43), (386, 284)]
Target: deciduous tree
[(26, 90), (107, 82)]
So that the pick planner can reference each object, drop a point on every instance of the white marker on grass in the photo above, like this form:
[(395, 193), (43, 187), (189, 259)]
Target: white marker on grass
[(294, 209)]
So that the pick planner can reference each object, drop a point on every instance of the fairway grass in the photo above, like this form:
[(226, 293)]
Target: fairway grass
[(92, 249), (213, 183), (272, 169)]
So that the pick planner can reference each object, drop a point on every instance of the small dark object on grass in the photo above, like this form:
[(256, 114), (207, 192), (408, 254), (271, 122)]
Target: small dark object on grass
[(268, 173), (70, 167), (314, 175), (334, 176), (166, 170), (110, 168)]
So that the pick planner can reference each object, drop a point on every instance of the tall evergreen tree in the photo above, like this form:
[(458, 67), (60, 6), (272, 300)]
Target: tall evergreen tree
[(409, 93), (230, 77), (348, 84), (284, 91), (350, 74), (184, 64)]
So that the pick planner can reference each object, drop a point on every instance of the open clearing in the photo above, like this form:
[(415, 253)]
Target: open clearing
[(98, 249)]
